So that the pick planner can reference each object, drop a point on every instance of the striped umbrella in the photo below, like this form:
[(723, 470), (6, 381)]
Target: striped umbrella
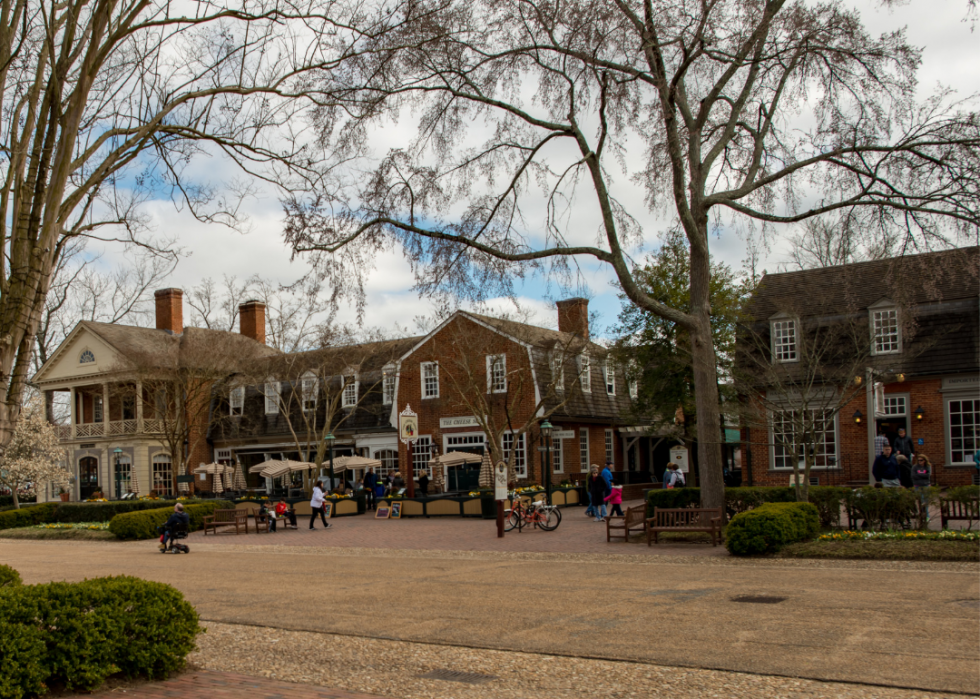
[(217, 486), (240, 482), (436, 468), (134, 483), (229, 481), (486, 470)]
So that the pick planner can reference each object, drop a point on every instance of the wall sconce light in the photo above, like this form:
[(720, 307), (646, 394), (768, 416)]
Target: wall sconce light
[(900, 377), (858, 380), (857, 417), (919, 412)]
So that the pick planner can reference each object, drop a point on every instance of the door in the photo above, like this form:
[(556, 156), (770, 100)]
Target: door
[(88, 477)]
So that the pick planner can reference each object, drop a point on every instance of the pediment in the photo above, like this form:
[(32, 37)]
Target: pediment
[(83, 353)]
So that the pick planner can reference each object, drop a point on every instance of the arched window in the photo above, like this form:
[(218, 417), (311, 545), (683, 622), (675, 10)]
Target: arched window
[(86, 357), (163, 480)]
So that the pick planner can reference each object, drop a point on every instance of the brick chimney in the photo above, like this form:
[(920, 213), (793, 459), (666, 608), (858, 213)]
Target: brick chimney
[(170, 310), (251, 320), (573, 317)]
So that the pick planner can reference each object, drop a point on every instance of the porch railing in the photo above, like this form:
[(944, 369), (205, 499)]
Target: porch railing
[(88, 430)]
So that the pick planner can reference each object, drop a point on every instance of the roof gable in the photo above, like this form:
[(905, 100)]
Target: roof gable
[(68, 363)]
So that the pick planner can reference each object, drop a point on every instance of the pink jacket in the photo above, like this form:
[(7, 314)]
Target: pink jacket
[(615, 497)]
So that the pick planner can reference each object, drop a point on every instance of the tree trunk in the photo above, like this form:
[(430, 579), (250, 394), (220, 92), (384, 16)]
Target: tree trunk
[(13, 492)]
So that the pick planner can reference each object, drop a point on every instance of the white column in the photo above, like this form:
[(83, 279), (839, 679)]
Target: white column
[(139, 406), (74, 417), (869, 392), (105, 409)]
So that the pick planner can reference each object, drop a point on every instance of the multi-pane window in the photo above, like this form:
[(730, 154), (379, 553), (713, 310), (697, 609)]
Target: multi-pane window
[(784, 341), (236, 400), (421, 455), (894, 405), (388, 384), (497, 373), (309, 388), (609, 446), (556, 456), (520, 453), (349, 396), (585, 373), (163, 481), (430, 380), (610, 371), (886, 334), (389, 462), (788, 430), (557, 372), (272, 393), (583, 448), (964, 430), (97, 408)]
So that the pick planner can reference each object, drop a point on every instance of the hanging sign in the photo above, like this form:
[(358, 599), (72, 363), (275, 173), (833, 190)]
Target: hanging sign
[(500, 482), (679, 456), (408, 425)]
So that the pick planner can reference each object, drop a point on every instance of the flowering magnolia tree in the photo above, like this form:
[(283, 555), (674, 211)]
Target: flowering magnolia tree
[(33, 456)]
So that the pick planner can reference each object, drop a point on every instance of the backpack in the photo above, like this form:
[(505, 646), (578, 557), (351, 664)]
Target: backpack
[(678, 479)]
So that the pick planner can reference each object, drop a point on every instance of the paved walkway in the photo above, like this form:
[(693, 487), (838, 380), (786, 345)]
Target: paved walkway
[(205, 684), (576, 534)]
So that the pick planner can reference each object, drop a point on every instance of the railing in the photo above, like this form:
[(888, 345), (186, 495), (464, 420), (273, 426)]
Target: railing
[(64, 432), (88, 430)]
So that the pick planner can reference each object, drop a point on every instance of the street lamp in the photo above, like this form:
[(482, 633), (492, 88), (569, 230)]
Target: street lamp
[(546, 430), (329, 440)]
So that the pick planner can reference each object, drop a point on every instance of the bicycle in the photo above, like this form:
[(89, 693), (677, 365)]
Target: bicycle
[(547, 517)]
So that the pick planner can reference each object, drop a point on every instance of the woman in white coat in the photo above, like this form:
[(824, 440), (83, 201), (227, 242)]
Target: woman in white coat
[(316, 504)]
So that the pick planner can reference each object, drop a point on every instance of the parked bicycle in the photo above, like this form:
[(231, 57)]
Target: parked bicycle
[(538, 514)]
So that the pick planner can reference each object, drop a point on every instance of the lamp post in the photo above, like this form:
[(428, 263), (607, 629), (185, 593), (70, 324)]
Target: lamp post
[(546, 429), (329, 440)]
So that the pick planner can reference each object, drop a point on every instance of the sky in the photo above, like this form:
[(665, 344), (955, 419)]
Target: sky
[(950, 57)]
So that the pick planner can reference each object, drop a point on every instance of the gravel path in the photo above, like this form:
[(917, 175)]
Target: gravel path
[(392, 668)]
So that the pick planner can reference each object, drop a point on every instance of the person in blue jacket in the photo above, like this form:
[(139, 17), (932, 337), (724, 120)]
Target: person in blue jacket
[(885, 469)]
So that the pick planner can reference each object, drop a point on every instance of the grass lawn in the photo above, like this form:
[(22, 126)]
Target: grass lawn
[(885, 550), (82, 530)]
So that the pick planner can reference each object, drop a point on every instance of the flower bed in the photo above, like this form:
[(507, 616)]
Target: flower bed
[(945, 535), (92, 526)]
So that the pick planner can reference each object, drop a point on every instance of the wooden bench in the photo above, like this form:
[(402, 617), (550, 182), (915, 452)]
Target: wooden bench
[(685, 519), (954, 511), (226, 518), (635, 519)]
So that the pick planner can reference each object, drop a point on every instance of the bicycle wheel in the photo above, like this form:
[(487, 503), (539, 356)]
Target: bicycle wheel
[(512, 519), (549, 520)]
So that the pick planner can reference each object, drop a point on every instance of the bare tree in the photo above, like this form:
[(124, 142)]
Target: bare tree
[(524, 106), (821, 242), (105, 104)]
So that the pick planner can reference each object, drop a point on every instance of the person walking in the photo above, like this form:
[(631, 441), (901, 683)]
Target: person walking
[(592, 509), (615, 500), (369, 481), (921, 480), (881, 441), (598, 489), (673, 478), (903, 445), (904, 470), (885, 469), (316, 504)]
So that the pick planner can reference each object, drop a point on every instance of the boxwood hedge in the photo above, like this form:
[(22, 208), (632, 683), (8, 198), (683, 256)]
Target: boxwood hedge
[(143, 524), (8, 577), (28, 516), (828, 499), (83, 511), (75, 635), (769, 527)]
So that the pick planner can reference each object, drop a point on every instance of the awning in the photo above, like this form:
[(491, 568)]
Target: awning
[(279, 467), (457, 458)]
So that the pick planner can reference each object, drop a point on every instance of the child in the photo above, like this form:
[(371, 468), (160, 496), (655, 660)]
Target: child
[(268, 514), (615, 499)]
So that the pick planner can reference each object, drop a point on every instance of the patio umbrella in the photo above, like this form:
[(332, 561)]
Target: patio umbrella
[(229, 481), (458, 458), (342, 463), (436, 469), (486, 471), (217, 486), (134, 484), (240, 482), (274, 468), (211, 469)]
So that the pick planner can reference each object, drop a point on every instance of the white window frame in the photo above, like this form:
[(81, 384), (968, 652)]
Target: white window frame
[(609, 371), (309, 387), (389, 462), (967, 452), (388, 385), (349, 391), (496, 373), (424, 368), (169, 481), (610, 448), (882, 312), (817, 466), (785, 336), (236, 401), (98, 409), (520, 462), (421, 455), (583, 449), (557, 456), (892, 401), (633, 380), (557, 372), (273, 392), (585, 373)]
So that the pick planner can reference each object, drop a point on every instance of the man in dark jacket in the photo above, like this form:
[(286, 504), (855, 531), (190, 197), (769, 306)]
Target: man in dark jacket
[(903, 444), (178, 517), (369, 482), (885, 469)]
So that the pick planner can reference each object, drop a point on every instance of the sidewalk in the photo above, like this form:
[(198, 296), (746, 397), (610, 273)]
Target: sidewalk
[(576, 534)]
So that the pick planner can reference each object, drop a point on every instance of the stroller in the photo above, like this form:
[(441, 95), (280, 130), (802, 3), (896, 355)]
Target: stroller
[(177, 531)]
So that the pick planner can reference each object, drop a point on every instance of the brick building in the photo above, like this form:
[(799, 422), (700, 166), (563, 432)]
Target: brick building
[(874, 346)]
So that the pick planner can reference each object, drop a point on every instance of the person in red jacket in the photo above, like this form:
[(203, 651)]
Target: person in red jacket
[(615, 500)]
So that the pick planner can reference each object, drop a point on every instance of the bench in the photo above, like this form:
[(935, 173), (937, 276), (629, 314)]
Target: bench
[(955, 511), (226, 518), (635, 519), (685, 519)]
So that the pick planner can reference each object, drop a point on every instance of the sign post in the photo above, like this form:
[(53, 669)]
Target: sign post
[(500, 494), (408, 432)]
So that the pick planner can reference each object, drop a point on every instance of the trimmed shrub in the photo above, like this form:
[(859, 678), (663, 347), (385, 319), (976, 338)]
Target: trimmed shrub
[(22, 653), (771, 526), (105, 511), (143, 524), (673, 498), (878, 506), (95, 629), (28, 516), (828, 499), (8, 577)]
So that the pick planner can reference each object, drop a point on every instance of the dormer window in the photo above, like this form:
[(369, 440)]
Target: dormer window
[(886, 336), (236, 401), (349, 396), (272, 393), (496, 373), (585, 373), (309, 387), (388, 384), (784, 341), (557, 372), (610, 371)]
